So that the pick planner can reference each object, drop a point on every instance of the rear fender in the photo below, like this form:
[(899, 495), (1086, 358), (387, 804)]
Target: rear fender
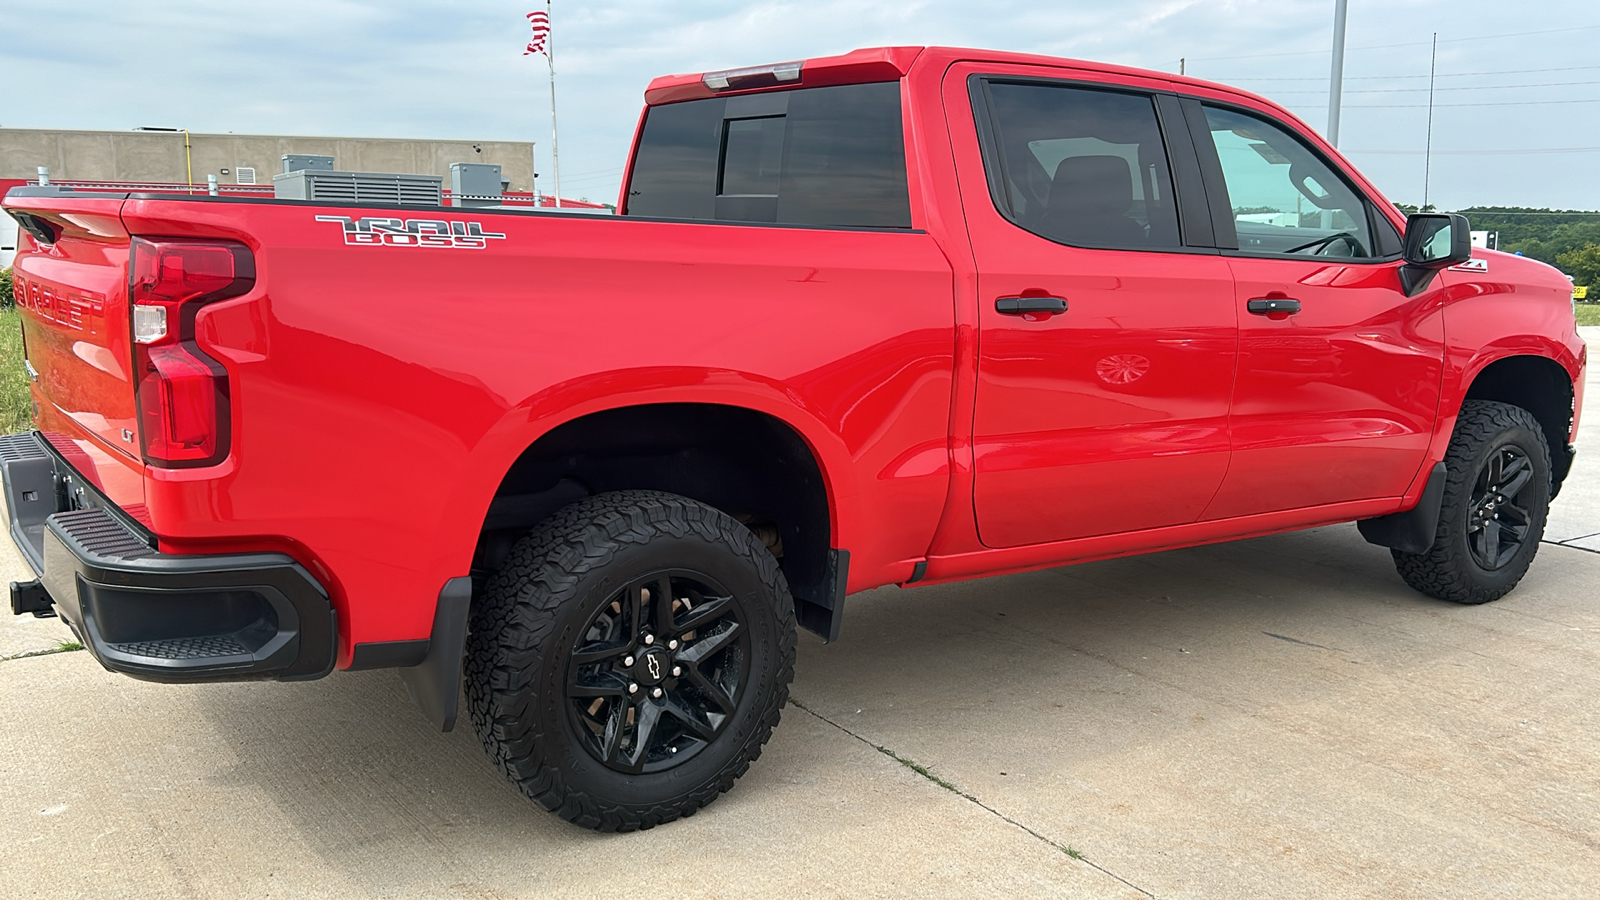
[(545, 411)]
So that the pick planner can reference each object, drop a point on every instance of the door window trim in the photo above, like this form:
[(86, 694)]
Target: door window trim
[(1195, 232), (1227, 239)]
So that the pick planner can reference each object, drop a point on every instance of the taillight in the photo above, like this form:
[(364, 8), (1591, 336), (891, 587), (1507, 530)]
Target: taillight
[(182, 392)]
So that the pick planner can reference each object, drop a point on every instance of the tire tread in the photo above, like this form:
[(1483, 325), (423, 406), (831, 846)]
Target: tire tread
[(512, 621), (1444, 571)]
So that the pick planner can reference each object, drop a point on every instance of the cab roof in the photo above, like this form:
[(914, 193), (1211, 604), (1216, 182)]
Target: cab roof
[(888, 64)]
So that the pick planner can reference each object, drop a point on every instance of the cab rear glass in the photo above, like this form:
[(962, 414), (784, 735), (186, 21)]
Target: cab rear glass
[(826, 156)]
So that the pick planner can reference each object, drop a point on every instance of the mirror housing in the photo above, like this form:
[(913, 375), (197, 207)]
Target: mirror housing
[(1433, 241), (1428, 246)]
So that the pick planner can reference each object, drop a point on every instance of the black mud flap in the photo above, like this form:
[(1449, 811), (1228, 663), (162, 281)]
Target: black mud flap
[(435, 683), (1411, 531), (819, 608), (1560, 464)]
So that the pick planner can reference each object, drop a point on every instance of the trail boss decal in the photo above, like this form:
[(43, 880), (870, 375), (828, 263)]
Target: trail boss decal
[(374, 232)]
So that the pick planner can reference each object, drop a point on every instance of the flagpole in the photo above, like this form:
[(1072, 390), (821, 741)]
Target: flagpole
[(550, 56)]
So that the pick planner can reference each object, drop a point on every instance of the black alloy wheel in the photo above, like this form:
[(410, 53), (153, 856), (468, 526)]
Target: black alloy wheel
[(1492, 514), (1498, 519), (630, 658), (658, 671)]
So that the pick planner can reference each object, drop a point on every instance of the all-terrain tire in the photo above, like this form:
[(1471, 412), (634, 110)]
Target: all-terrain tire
[(1448, 570), (528, 622)]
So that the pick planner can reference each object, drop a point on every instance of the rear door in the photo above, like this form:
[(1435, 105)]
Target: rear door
[(1107, 328), (1339, 371)]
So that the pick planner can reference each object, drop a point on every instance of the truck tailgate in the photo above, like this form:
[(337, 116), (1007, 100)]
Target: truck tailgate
[(72, 291)]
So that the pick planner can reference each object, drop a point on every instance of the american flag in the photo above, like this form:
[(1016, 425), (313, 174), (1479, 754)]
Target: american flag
[(540, 22)]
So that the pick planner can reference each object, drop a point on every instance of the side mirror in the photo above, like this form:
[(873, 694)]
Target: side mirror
[(1433, 241), (1437, 240)]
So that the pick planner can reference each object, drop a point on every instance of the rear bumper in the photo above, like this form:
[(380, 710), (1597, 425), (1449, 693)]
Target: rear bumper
[(154, 615)]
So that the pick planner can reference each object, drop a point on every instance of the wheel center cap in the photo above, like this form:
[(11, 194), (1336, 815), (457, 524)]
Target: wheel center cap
[(653, 666)]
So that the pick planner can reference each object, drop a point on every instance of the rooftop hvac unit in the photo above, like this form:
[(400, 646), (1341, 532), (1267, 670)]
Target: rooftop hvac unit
[(329, 186), (476, 184), (294, 162)]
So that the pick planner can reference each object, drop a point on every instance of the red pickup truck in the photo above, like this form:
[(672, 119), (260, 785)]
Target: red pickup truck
[(902, 316)]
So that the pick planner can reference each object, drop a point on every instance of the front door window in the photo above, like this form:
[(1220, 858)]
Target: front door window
[(1284, 199)]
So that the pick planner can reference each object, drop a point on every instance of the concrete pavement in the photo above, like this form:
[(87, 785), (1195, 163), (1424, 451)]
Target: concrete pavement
[(1575, 516), (337, 789), (22, 634), (1279, 717), (1271, 718)]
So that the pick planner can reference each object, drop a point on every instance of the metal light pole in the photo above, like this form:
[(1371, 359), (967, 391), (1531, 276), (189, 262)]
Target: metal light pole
[(1427, 153), (1336, 78)]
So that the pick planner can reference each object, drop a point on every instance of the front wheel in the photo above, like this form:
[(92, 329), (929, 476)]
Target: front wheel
[(630, 659), (1496, 500)]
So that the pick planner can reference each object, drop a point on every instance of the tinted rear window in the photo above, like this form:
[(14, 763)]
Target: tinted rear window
[(1084, 167), (814, 156)]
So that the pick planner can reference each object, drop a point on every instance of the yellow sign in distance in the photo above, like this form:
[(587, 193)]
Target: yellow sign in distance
[(1580, 292)]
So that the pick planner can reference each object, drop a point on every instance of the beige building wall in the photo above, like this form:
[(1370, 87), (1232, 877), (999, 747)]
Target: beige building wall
[(158, 156)]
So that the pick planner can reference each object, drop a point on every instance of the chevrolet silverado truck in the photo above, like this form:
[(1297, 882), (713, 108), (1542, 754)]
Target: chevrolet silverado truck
[(902, 316)]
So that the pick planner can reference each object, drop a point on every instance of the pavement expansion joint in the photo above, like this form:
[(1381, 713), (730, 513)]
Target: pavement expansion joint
[(1571, 546), (62, 647), (1581, 537), (1284, 637), (954, 789)]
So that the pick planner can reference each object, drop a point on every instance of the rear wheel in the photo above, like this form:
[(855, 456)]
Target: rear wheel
[(631, 659), (1496, 499)]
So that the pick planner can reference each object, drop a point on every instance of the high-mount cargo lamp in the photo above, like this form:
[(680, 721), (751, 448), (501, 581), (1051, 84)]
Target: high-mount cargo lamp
[(756, 76)]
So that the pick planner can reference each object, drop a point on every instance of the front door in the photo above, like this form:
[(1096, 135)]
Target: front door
[(1339, 371), (1106, 345)]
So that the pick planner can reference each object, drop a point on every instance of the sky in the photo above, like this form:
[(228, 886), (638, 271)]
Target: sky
[(1520, 77)]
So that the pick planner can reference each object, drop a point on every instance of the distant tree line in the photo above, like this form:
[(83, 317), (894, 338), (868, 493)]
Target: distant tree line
[(1565, 238)]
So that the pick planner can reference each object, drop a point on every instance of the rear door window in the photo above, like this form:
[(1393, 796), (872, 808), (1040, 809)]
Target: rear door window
[(1082, 166), (828, 156)]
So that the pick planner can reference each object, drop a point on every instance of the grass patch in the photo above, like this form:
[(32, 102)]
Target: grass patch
[(60, 647), (923, 771), (16, 407), (1588, 313)]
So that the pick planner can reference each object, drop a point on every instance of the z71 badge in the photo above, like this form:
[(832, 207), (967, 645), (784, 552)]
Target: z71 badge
[(438, 233)]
